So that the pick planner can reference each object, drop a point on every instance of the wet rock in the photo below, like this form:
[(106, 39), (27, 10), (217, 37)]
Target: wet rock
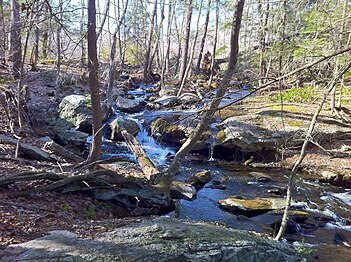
[(295, 215), (189, 98), (75, 110), (261, 177), (161, 239), (182, 190), (277, 191), (71, 137), (219, 183), (336, 179), (120, 124), (129, 105), (168, 91), (291, 228), (339, 238), (164, 130), (251, 207), (200, 179), (167, 100)]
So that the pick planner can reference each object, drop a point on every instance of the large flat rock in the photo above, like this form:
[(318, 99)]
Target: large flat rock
[(161, 239)]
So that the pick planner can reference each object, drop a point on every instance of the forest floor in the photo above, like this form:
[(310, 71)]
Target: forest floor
[(28, 217)]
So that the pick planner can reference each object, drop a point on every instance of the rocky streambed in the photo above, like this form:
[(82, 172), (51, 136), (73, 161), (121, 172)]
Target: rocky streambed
[(240, 196)]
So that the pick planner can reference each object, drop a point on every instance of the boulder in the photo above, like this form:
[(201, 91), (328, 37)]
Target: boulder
[(76, 111), (160, 239), (251, 207), (164, 130), (235, 133), (182, 190), (167, 100), (129, 105), (71, 137), (120, 124), (189, 98), (200, 179)]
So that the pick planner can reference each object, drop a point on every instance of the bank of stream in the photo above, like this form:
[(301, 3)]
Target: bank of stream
[(327, 230)]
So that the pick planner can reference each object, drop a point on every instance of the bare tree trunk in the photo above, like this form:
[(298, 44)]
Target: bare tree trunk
[(96, 146), (45, 30), (2, 35), (292, 177), (338, 45), (35, 51), (58, 42), (16, 47), (82, 34), (171, 11), (186, 38), (203, 40), (192, 51), (214, 44), (112, 68), (211, 108), (149, 42), (107, 8)]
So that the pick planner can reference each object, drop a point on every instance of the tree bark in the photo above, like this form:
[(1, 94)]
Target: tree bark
[(16, 47), (2, 35), (207, 114), (186, 38), (96, 146), (147, 68)]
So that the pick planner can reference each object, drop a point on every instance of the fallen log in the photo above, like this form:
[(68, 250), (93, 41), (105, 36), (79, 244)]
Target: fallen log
[(144, 161), (29, 150), (62, 152)]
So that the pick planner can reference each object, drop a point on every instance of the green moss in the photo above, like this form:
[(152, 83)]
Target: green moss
[(288, 108), (294, 123), (302, 94), (221, 136)]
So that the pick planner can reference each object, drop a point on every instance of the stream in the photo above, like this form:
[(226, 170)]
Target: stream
[(327, 231)]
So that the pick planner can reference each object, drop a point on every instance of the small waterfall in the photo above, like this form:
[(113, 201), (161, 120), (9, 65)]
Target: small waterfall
[(213, 140), (155, 151)]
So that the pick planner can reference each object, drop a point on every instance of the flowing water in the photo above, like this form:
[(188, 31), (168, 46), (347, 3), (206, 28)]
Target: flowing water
[(327, 232)]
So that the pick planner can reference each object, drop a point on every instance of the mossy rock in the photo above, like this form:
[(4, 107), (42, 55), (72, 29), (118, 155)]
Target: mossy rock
[(251, 207)]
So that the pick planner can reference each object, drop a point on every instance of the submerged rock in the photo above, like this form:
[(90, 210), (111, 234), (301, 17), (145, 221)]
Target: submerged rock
[(167, 100), (120, 124), (164, 130), (251, 207), (161, 239), (200, 179), (129, 105), (183, 190)]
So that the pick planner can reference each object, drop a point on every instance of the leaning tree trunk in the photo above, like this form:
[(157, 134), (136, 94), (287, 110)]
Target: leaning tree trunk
[(186, 38), (308, 138), (16, 48), (209, 110), (96, 146)]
